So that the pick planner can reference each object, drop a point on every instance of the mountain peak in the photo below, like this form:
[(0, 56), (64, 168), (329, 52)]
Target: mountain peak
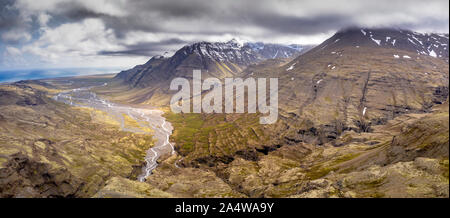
[(219, 59), (156, 57), (431, 44), (235, 42)]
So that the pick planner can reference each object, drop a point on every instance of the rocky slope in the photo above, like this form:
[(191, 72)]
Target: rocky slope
[(351, 82), (409, 165), (133, 76), (23, 177), (49, 149), (405, 157)]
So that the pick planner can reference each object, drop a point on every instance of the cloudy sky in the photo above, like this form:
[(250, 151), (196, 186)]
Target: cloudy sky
[(123, 33)]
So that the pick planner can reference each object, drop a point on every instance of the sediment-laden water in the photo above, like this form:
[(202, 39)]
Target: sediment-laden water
[(146, 118)]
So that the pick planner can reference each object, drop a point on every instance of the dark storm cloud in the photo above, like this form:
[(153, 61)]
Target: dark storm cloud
[(145, 49), (69, 12), (278, 17), (9, 16), (148, 16), (424, 24), (181, 9), (76, 11), (123, 25), (152, 16), (222, 13), (115, 29), (299, 25), (14, 29)]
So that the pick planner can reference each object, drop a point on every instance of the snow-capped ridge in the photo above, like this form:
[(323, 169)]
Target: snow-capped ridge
[(431, 44)]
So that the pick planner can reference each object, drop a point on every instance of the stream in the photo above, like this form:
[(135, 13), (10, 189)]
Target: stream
[(146, 118)]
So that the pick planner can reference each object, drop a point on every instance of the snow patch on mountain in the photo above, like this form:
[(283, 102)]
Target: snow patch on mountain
[(291, 67), (375, 40), (363, 32), (433, 54)]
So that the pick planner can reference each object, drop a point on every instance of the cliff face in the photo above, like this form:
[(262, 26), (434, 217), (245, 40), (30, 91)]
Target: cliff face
[(26, 178), (404, 157)]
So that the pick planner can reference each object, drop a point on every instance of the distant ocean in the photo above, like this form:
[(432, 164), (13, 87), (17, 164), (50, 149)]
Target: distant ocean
[(32, 74)]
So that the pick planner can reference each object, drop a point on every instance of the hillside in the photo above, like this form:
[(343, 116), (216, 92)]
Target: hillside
[(349, 85), (351, 82), (45, 146), (333, 88)]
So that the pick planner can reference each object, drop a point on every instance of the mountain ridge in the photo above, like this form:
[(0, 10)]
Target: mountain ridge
[(432, 44), (218, 59)]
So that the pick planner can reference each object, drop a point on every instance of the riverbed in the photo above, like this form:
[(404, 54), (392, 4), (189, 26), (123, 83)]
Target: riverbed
[(146, 118)]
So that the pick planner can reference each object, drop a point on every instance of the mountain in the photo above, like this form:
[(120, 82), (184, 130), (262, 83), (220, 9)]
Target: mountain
[(351, 81), (432, 44), (216, 59), (133, 75), (272, 51)]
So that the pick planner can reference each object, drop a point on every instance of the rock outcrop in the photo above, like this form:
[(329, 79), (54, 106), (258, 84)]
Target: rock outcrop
[(23, 177)]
